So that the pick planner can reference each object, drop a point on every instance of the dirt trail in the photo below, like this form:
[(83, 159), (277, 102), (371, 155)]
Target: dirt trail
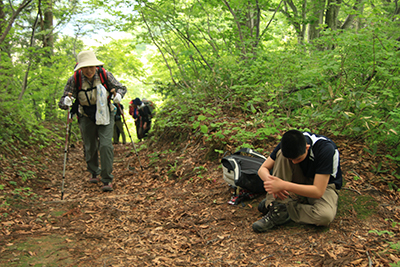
[(170, 216)]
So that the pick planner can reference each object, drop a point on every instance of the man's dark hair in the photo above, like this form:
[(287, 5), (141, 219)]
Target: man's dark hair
[(293, 144)]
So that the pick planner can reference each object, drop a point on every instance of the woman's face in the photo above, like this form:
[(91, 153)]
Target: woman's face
[(89, 72)]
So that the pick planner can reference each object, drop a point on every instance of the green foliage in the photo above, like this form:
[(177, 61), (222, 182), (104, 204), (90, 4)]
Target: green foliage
[(120, 56), (395, 246), (153, 158), (172, 169), (394, 224), (347, 88), (384, 232), (20, 129), (199, 170), (24, 192)]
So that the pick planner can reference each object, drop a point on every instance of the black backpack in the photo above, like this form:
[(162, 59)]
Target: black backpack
[(242, 171)]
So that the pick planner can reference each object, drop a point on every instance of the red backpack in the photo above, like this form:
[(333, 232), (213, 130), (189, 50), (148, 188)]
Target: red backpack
[(102, 73), (78, 85)]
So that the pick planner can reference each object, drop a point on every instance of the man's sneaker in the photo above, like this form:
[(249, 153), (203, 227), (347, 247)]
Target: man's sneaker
[(107, 187), (262, 208), (94, 179), (277, 215)]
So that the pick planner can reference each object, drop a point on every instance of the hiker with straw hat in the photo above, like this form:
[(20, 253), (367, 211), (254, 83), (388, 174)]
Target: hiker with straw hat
[(92, 88)]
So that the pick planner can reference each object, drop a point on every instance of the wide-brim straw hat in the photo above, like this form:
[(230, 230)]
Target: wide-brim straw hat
[(87, 59)]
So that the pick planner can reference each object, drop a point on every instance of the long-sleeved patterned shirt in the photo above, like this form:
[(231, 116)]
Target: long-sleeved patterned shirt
[(70, 87)]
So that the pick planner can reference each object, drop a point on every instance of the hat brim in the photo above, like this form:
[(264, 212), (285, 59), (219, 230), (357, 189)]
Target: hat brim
[(88, 64)]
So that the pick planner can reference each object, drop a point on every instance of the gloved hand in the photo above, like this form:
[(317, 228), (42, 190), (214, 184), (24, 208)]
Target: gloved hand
[(68, 101), (117, 98)]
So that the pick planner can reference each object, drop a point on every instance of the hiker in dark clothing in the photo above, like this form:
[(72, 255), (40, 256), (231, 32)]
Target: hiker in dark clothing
[(93, 87), (305, 181), (118, 125), (141, 114)]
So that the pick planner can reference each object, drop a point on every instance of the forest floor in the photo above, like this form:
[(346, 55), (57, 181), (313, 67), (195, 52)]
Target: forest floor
[(174, 212)]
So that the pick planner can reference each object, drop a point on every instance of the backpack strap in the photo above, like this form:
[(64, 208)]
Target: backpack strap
[(78, 79), (251, 152), (103, 77), (104, 80)]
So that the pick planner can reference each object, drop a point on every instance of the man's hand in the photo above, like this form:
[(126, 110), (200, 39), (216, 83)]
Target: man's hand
[(275, 186)]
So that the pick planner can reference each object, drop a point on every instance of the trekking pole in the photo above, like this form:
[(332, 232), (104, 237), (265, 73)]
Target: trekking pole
[(123, 117), (65, 152)]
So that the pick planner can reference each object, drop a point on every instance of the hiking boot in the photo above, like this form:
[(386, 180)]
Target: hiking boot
[(107, 187), (277, 215), (262, 208), (94, 179)]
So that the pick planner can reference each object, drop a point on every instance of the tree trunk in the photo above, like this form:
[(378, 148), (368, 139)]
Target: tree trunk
[(48, 44), (295, 18), (48, 38), (350, 18), (332, 12), (317, 14)]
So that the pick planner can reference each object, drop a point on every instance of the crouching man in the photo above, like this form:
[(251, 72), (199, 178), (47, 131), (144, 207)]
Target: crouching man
[(308, 166)]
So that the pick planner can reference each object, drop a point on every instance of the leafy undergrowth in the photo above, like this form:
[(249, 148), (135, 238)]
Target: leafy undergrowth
[(174, 212)]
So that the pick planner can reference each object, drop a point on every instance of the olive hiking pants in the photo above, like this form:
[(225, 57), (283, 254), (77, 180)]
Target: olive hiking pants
[(98, 140)]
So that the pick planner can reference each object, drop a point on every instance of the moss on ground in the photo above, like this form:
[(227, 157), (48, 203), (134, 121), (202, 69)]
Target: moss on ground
[(353, 204)]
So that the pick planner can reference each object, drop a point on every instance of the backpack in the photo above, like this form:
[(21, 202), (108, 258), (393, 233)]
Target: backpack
[(242, 171), (78, 84), (102, 73), (151, 107)]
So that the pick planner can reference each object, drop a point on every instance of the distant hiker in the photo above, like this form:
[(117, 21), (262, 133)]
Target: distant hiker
[(93, 87), (142, 116), (308, 166), (118, 126)]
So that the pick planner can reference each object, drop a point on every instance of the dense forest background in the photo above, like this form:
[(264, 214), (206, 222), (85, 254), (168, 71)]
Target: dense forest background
[(327, 66)]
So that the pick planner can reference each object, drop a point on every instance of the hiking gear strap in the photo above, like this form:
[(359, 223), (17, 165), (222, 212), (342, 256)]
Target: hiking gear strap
[(103, 78), (251, 152), (78, 84)]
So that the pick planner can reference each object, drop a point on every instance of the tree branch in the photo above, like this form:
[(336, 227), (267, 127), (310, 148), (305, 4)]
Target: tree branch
[(25, 81), (159, 48), (24, 4), (266, 27)]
